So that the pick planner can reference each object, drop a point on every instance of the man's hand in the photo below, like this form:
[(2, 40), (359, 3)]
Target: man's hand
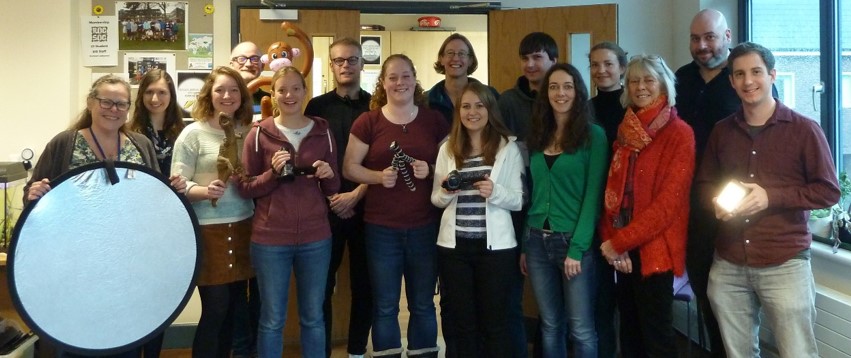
[(754, 202)]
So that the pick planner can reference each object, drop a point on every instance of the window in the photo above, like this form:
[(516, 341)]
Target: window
[(785, 84), (846, 90)]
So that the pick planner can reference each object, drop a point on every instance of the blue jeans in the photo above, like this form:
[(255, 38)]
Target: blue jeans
[(273, 265), (562, 303), (393, 254), (786, 294)]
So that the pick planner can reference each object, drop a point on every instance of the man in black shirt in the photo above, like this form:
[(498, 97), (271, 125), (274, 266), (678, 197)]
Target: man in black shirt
[(704, 97), (341, 107)]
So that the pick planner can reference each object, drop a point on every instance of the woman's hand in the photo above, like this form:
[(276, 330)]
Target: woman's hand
[(38, 189), (485, 187), (609, 252), (421, 169), (523, 265), (623, 263), (388, 177), (323, 170), (280, 158), (216, 189), (178, 182), (572, 268)]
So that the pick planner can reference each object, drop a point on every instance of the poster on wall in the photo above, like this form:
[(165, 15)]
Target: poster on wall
[(136, 64), (200, 52), (189, 85), (99, 43), (152, 25), (371, 49)]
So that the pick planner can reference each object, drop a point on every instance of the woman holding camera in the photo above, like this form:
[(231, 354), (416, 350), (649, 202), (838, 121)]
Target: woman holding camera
[(477, 180), (289, 163)]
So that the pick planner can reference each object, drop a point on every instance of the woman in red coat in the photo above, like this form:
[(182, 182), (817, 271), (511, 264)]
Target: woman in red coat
[(646, 207)]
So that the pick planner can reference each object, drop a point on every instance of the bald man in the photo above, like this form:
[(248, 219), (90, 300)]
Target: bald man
[(704, 97), (245, 58)]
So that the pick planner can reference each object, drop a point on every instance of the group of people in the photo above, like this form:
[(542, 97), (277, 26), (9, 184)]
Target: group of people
[(149, 30), (600, 202)]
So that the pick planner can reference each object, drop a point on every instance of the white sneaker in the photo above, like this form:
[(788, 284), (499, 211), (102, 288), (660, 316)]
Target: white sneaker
[(355, 355)]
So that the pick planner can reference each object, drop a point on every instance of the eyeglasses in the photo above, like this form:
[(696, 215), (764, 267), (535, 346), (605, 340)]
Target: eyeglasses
[(351, 60), (106, 103), (242, 59), (452, 54)]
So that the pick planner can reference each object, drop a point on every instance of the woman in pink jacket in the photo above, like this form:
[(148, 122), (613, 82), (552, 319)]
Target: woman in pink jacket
[(291, 167)]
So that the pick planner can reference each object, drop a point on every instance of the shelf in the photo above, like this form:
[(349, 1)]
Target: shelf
[(419, 28)]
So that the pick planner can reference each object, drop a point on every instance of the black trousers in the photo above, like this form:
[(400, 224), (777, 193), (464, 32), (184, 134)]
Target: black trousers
[(699, 252), (350, 232), (213, 336), (645, 304), (474, 282)]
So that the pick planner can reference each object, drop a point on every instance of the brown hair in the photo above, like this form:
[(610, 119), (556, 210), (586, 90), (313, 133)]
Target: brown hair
[(492, 135), (379, 97), (204, 104), (173, 123), (575, 134)]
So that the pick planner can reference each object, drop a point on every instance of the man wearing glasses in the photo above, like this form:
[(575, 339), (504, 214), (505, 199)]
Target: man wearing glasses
[(341, 107), (245, 58)]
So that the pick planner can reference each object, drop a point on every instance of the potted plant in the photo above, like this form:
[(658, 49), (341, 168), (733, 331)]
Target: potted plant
[(833, 224)]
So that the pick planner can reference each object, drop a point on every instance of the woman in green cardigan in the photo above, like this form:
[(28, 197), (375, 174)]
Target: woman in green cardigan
[(568, 158)]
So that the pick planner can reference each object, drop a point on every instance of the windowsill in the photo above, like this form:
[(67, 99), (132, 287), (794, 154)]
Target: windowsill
[(829, 269)]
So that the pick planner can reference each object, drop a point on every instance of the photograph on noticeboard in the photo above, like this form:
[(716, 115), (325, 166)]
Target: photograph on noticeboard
[(152, 25), (136, 64)]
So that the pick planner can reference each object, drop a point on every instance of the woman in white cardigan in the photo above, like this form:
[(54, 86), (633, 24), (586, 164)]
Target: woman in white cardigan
[(478, 180)]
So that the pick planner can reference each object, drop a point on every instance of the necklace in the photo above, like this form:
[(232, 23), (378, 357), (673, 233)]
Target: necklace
[(410, 119), (102, 154)]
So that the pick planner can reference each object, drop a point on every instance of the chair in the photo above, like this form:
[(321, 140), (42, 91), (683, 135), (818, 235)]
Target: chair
[(683, 292)]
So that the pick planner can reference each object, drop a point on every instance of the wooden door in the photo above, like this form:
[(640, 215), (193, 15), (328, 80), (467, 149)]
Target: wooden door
[(316, 23), (506, 28)]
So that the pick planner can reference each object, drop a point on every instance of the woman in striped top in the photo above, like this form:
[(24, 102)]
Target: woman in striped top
[(477, 249)]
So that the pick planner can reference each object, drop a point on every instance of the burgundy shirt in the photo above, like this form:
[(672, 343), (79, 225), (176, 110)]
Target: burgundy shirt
[(790, 159), (399, 207)]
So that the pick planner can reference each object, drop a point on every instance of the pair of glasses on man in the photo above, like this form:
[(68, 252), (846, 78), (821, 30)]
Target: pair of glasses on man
[(242, 59), (339, 61), (451, 54), (107, 103)]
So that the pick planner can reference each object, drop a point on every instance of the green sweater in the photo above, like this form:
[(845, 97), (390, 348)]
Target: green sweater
[(569, 194)]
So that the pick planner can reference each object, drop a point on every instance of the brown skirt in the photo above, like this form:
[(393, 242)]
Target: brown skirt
[(225, 253)]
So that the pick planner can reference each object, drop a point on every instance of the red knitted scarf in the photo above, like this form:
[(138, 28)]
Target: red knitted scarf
[(636, 132)]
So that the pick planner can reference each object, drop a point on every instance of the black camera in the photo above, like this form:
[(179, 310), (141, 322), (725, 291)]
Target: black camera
[(455, 181), (290, 171)]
